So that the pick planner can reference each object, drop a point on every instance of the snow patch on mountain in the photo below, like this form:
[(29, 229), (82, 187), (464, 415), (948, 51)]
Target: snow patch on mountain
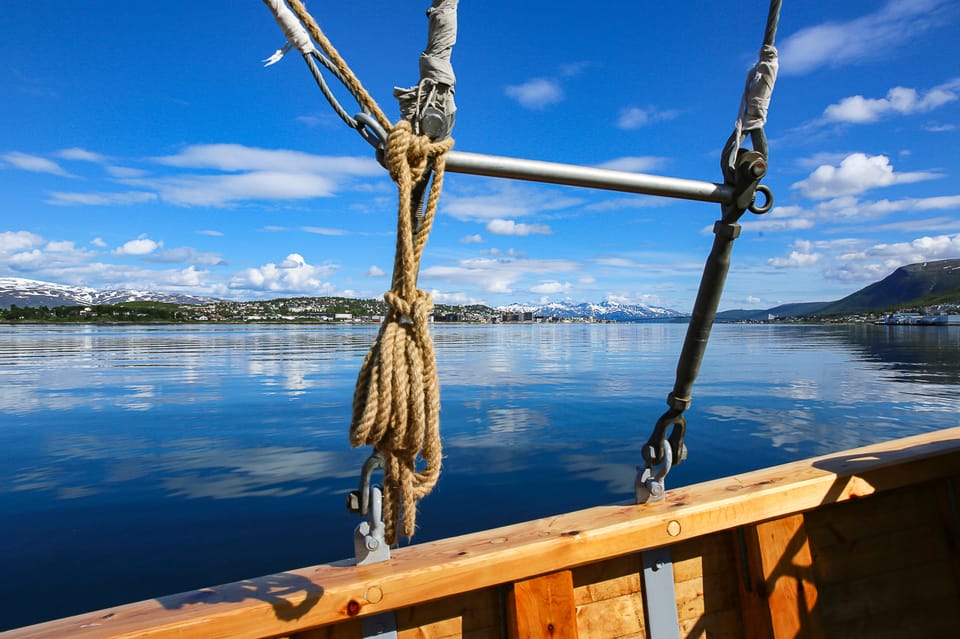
[(24, 292), (605, 310)]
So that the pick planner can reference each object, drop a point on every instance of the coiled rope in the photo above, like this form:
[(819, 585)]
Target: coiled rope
[(396, 402)]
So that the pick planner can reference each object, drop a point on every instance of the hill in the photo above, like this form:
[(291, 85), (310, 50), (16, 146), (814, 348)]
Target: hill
[(912, 286)]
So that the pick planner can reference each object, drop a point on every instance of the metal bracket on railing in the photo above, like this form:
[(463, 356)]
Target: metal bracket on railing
[(369, 543), (649, 485)]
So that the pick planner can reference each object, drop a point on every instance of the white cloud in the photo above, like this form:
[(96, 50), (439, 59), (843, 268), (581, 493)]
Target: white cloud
[(220, 175), (81, 155), (857, 173), (240, 158), (185, 255), (751, 299), (878, 260), (12, 241), (34, 164), (506, 200), (551, 287), (375, 271), (225, 190), (636, 164), (476, 238), (509, 227), (899, 100), (632, 118), (536, 94), (497, 275), (98, 242), (100, 199), (210, 232), (781, 218), (870, 37), (125, 172), (801, 256), (140, 246), (323, 231), (292, 275)]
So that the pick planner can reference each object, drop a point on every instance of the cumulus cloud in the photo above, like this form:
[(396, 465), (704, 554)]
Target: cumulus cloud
[(898, 101), (13, 241), (857, 173), (870, 37), (878, 260), (34, 164), (143, 245), (632, 118), (375, 271), (476, 238), (509, 227), (802, 255), (536, 94), (98, 242), (292, 275)]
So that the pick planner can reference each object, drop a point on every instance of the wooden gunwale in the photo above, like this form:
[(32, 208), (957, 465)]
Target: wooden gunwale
[(298, 600)]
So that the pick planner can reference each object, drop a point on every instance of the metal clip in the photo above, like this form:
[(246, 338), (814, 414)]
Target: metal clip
[(649, 485), (369, 545), (371, 131)]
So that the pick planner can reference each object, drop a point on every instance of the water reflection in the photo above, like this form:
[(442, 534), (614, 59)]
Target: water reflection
[(190, 424)]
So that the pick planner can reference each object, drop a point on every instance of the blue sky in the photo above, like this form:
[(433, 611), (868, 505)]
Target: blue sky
[(144, 145)]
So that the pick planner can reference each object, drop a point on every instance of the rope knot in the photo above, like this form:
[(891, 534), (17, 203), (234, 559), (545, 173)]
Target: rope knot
[(410, 312), (407, 154)]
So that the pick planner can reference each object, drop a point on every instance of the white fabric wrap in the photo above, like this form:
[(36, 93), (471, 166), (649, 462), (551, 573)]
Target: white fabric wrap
[(295, 33), (756, 97), (441, 36)]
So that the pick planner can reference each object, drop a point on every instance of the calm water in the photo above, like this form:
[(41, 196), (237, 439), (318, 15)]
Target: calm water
[(142, 461)]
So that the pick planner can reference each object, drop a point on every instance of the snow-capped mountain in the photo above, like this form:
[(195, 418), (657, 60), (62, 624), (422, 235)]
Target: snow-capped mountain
[(605, 310), (24, 292)]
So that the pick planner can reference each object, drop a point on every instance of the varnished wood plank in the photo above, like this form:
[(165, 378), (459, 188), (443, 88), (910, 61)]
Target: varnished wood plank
[(879, 515), (543, 608), (607, 579), (460, 615), (316, 596), (612, 618), (936, 618), (789, 578), (702, 556), (902, 591), (696, 597), (722, 624)]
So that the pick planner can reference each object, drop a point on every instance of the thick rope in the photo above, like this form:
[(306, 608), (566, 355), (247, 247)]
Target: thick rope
[(350, 80), (396, 403)]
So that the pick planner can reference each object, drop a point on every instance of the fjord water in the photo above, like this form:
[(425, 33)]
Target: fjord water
[(138, 461)]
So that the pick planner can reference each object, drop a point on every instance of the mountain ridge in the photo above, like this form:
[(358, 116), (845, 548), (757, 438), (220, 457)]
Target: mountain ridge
[(912, 285)]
